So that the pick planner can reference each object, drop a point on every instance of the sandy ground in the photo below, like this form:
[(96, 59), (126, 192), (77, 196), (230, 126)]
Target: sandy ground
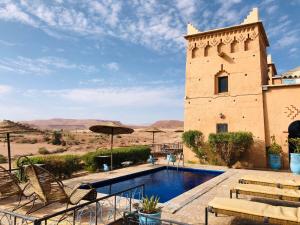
[(87, 141)]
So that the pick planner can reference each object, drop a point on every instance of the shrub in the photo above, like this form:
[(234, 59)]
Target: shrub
[(56, 138), (274, 148), (62, 166), (3, 159), (43, 151), (27, 141), (231, 145), (135, 154), (194, 140), (296, 143), (59, 150)]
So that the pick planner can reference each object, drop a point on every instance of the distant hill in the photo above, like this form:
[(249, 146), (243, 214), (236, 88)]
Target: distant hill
[(82, 124), (168, 124), (66, 124)]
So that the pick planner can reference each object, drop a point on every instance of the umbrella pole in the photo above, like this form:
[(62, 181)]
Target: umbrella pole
[(153, 138), (8, 151), (111, 148)]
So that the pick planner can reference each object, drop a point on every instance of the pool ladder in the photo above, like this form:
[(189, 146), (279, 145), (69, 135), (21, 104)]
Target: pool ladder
[(180, 157)]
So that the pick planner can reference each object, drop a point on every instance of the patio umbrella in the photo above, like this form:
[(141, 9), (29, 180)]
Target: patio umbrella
[(8, 127), (179, 131), (153, 130), (111, 128)]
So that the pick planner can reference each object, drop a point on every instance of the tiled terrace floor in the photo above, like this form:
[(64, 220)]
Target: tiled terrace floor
[(190, 206)]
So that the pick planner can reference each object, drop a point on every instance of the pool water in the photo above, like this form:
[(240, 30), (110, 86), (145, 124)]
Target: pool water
[(166, 183)]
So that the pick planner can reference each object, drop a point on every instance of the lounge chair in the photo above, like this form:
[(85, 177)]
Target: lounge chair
[(270, 181), (11, 187), (256, 211), (266, 192), (49, 190)]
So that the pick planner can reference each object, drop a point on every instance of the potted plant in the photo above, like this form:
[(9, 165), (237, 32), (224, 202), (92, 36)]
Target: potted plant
[(150, 208), (274, 154), (295, 157)]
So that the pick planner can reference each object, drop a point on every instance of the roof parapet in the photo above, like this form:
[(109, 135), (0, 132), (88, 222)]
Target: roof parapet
[(191, 29), (252, 17)]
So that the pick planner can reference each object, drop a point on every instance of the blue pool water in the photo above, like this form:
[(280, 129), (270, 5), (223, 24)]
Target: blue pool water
[(164, 182)]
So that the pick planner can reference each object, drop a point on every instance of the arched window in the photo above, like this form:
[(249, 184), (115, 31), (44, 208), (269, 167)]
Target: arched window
[(248, 44), (195, 52), (221, 47), (207, 50), (234, 46)]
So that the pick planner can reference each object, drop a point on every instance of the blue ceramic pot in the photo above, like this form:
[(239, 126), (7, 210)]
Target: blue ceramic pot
[(275, 161), (149, 221), (295, 163)]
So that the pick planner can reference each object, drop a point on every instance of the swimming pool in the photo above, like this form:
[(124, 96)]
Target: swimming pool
[(165, 182)]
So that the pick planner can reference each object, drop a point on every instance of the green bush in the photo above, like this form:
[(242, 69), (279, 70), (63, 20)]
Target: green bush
[(231, 145), (43, 151), (56, 138), (274, 148), (62, 166), (296, 143), (135, 154), (3, 159), (194, 140)]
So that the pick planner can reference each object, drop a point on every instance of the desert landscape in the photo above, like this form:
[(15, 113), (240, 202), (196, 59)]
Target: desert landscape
[(76, 138)]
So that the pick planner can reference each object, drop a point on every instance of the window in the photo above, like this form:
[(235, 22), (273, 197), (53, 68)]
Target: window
[(222, 84), (222, 127)]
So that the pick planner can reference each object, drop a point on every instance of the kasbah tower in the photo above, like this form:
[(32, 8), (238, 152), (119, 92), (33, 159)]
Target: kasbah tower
[(232, 85)]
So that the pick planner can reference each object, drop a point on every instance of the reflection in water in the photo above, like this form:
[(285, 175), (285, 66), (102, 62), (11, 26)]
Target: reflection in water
[(165, 183)]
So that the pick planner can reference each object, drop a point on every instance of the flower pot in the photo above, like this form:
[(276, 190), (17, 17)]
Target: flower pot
[(275, 161), (149, 221), (295, 163)]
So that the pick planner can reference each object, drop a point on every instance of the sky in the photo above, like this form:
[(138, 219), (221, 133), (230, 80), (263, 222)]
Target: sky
[(117, 60)]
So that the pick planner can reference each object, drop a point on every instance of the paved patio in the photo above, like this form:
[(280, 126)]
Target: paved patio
[(190, 206)]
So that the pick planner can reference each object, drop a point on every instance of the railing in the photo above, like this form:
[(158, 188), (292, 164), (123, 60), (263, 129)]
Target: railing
[(103, 210), (167, 148), (133, 219)]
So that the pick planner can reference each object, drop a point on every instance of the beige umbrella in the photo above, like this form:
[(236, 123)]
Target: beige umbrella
[(153, 130), (179, 131), (111, 128), (8, 127)]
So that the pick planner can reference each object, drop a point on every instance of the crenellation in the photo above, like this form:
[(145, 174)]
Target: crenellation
[(231, 42)]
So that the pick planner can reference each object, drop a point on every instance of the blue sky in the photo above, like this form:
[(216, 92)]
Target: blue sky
[(119, 60)]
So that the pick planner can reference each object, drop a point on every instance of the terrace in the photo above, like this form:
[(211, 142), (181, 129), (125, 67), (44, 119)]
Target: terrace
[(187, 208)]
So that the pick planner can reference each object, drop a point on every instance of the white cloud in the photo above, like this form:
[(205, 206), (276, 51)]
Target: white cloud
[(119, 97), (187, 8), (113, 66), (41, 66), (11, 12), (288, 39), (272, 9), (5, 89), (7, 43), (107, 11)]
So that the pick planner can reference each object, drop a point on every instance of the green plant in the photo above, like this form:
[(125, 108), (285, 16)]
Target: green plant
[(56, 138), (3, 159), (62, 166), (274, 148), (43, 151), (135, 154), (231, 145), (296, 143), (194, 140), (149, 205)]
